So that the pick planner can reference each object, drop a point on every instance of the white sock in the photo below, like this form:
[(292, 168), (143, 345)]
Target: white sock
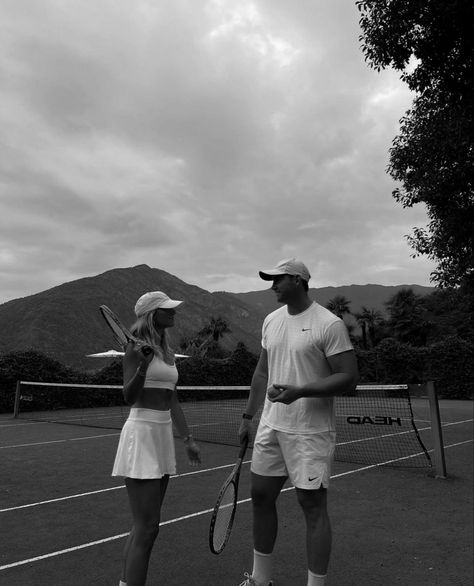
[(316, 579), (262, 567), (122, 583)]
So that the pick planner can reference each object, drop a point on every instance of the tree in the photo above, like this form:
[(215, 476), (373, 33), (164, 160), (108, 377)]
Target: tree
[(216, 328), (451, 313), (369, 319), (363, 326), (408, 319), (339, 305), (207, 339), (431, 43)]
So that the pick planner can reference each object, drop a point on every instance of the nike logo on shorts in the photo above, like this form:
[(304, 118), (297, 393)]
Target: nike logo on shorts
[(305, 329)]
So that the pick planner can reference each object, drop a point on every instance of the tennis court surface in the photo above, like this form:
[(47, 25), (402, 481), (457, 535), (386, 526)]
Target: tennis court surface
[(63, 519)]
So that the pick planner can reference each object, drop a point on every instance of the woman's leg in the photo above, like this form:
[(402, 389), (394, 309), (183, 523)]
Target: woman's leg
[(123, 577), (146, 498), (164, 485)]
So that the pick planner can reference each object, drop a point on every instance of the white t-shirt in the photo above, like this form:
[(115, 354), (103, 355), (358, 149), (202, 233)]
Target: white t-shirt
[(297, 347)]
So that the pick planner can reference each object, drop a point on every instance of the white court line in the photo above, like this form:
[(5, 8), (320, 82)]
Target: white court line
[(2, 425), (191, 516), (457, 422), (102, 490), (376, 437), (77, 439), (90, 493), (62, 441)]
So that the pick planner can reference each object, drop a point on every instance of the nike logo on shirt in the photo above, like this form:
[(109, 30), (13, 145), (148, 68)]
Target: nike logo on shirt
[(305, 329), (311, 479)]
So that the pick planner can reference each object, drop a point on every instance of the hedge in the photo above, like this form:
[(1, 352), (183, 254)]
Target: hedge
[(449, 363)]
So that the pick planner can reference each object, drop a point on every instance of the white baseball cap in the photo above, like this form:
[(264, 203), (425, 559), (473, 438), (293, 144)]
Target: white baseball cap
[(154, 300), (288, 266)]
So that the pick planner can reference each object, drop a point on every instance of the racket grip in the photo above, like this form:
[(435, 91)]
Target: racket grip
[(244, 442)]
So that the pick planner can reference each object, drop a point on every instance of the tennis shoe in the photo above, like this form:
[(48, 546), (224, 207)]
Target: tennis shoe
[(249, 581)]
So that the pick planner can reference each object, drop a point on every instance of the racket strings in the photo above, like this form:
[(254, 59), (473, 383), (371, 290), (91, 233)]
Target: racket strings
[(118, 330), (118, 334), (224, 517)]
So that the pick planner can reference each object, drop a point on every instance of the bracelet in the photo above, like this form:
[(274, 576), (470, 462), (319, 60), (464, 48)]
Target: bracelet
[(247, 416), (188, 438)]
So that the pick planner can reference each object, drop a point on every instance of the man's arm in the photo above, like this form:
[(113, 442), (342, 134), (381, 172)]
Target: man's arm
[(343, 379), (258, 389)]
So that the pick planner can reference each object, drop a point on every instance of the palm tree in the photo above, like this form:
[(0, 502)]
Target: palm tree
[(362, 322), (207, 337), (369, 320), (216, 328), (339, 305)]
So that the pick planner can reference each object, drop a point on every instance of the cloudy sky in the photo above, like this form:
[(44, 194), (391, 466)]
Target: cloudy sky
[(208, 138)]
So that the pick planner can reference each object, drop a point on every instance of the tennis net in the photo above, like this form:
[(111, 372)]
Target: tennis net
[(377, 424)]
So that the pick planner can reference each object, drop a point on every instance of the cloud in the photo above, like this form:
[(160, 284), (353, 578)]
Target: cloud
[(205, 139)]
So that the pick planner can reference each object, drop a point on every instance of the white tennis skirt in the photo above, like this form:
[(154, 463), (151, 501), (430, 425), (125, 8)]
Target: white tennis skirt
[(146, 445)]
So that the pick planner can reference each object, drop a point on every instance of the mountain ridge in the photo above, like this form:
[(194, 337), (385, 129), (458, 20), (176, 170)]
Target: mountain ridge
[(65, 323)]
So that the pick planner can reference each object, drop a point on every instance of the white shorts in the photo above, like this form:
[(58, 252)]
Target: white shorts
[(146, 445), (305, 458)]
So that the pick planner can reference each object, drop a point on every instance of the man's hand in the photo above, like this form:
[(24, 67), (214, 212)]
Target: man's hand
[(283, 394)]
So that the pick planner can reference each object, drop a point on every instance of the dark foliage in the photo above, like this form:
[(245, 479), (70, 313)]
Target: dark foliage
[(450, 363), (236, 369), (31, 365), (432, 44)]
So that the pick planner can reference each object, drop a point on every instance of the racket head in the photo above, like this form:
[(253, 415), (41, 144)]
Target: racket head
[(225, 508), (223, 517), (121, 334)]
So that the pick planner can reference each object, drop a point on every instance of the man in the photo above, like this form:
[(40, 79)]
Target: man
[(306, 359)]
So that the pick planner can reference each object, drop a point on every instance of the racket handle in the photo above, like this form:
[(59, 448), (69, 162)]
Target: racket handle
[(244, 442)]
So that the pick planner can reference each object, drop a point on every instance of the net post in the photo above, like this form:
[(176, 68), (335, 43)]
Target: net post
[(16, 407), (436, 431)]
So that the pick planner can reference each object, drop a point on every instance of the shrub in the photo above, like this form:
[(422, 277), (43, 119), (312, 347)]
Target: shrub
[(451, 365), (30, 365)]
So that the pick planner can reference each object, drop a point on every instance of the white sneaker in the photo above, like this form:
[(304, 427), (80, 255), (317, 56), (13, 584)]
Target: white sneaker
[(249, 581)]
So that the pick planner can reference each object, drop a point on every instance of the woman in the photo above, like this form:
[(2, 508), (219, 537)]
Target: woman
[(145, 455)]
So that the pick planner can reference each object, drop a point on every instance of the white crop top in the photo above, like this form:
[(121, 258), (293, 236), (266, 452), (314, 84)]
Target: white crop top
[(161, 375)]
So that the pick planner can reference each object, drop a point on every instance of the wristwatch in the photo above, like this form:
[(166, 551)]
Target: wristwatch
[(247, 416)]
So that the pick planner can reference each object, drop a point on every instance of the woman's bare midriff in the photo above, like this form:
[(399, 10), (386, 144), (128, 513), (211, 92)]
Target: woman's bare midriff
[(157, 399)]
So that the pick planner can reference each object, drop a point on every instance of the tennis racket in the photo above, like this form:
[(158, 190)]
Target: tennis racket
[(121, 334), (224, 510)]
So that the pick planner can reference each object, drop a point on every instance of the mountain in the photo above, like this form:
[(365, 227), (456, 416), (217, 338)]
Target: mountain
[(65, 323), (371, 296)]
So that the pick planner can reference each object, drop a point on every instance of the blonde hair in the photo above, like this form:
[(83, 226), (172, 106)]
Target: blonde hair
[(144, 329)]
